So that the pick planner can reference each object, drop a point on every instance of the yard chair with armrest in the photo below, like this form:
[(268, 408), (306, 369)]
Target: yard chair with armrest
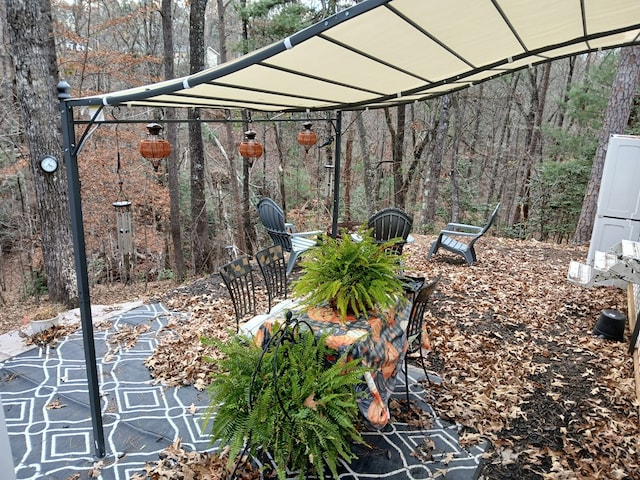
[(390, 223), (460, 238), (415, 330), (237, 276), (274, 272), (284, 234)]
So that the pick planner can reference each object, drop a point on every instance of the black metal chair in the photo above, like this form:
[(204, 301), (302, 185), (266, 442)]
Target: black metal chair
[(414, 330), (274, 272), (411, 286), (284, 234), (459, 238), (237, 275), (390, 223)]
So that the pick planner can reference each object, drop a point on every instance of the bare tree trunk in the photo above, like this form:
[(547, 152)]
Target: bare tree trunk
[(397, 152), (230, 153), (328, 152), (282, 159), (200, 242), (475, 137), (413, 171), (366, 164), (503, 153), (616, 117), (431, 196), (457, 132), (346, 175), (567, 89), (172, 137), (36, 76), (520, 211)]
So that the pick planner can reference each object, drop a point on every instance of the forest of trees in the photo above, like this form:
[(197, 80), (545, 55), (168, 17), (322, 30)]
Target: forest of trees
[(528, 140)]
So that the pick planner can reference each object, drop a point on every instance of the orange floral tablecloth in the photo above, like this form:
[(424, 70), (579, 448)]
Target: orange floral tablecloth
[(379, 340)]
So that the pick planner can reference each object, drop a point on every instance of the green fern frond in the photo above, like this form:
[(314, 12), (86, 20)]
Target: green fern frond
[(354, 277), (314, 426)]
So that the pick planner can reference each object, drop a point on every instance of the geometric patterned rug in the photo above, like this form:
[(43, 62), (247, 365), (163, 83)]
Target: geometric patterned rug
[(45, 398)]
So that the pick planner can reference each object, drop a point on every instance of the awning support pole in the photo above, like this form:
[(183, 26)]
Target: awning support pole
[(80, 255), (336, 176)]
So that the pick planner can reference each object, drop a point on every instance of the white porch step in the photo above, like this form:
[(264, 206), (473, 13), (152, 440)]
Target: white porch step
[(588, 276), (604, 261), (619, 265), (579, 274), (631, 253)]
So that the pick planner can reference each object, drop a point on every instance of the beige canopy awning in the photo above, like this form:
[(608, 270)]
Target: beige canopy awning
[(387, 52)]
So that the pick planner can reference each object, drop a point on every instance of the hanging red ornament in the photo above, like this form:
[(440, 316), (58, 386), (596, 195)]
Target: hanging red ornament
[(154, 148), (250, 147), (307, 137)]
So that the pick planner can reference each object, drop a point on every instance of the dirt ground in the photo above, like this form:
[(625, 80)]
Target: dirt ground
[(17, 303), (511, 339)]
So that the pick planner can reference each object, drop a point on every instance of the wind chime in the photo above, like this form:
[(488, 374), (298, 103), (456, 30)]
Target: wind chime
[(124, 231), (329, 168)]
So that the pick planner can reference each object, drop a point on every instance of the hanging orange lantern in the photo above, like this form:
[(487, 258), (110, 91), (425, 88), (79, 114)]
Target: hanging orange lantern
[(307, 137), (154, 148), (250, 147)]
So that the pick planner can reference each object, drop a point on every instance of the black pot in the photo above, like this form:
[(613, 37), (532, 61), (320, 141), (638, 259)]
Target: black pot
[(611, 325)]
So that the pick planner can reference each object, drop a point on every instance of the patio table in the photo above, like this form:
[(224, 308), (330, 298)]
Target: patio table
[(378, 339)]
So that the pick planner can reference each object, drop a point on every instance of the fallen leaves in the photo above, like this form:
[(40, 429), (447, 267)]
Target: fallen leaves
[(56, 404), (50, 336), (203, 310), (512, 342), (176, 462)]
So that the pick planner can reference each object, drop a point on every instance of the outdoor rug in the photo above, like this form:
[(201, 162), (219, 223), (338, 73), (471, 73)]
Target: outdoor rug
[(44, 393)]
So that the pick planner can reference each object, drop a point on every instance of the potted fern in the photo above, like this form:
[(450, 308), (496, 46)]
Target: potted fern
[(285, 401), (352, 274)]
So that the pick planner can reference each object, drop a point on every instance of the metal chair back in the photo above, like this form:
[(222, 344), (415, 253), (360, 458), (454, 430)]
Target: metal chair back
[(415, 329), (237, 275), (274, 272)]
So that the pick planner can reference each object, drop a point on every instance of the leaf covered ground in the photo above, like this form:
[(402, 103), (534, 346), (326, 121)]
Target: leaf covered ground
[(512, 342)]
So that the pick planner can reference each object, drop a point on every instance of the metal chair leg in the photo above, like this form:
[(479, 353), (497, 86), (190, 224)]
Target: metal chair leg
[(406, 378), (424, 369)]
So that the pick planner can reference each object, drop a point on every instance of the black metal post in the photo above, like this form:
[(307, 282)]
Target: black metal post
[(80, 255), (336, 176)]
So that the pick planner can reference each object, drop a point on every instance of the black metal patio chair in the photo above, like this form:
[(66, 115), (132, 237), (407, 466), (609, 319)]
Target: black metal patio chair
[(237, 276), (415, 330), (274, 272)]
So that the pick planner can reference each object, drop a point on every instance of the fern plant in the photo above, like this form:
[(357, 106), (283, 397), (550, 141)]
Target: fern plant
[(352, 276), (286, 401)]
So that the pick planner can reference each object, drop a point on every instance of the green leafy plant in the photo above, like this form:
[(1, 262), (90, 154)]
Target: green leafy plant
[(286, 401), (352, 276)]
